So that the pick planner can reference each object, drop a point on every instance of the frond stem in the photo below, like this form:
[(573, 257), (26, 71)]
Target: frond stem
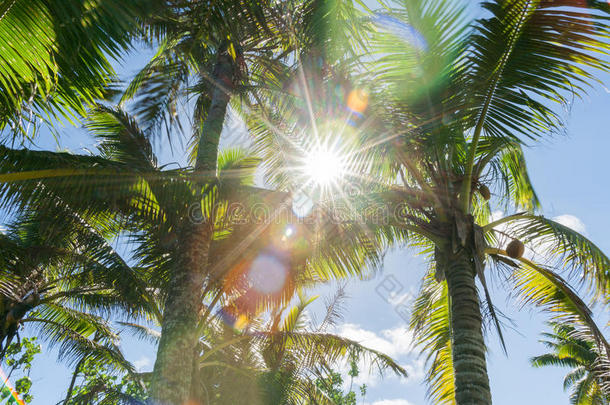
[(490, 226), (467, 180)]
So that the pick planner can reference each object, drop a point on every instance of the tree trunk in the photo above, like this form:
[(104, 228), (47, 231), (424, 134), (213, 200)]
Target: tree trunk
[(173, 371), (223, 85), (73, 380), (468, 345), (172, 375)]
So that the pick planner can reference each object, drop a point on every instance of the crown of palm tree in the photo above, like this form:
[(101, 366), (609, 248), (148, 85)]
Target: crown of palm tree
[(62, 282), (578, 349)]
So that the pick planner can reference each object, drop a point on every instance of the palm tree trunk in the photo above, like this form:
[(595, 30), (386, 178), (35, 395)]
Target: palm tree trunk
[(223, 84), (173, 371), (73, 380), (171, 384), (468, 345)]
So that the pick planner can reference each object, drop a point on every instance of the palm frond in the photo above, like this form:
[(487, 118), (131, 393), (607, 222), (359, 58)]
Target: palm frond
[(55, 55), (529, 53), (121, 138), (564, 248), (539, 286), (333, 348), (431, 325), (74, 333)]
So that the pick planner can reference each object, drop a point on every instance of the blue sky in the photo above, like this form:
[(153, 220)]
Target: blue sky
[(570, 176)]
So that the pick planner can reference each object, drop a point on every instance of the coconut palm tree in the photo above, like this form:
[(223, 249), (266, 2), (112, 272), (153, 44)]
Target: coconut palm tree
[(58, 279), (120, 192), (229, 48), (61, 279), (210, 43), (465, 144), (55, 56), (270, 362), (438, 125), (296, 353), (578, 350)]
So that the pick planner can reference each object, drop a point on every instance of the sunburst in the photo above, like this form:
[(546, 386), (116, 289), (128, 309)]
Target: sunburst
[(324, 166)]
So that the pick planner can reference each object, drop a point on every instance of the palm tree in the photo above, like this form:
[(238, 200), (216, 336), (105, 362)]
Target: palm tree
[(466, 143), (229, 48), (212, 42), (451, 106), (269, 362), (58, 276), (124, 191), (578, 350), (57, 279), (54, 56), (295, 354)]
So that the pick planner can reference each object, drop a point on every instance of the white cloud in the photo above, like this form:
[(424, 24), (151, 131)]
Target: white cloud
[(571, 222), (401, 339), (392, 402), (396, 343), (393, 342), (142, 364)]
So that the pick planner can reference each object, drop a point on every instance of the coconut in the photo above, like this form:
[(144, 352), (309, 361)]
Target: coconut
[(484, 191), (515, 249)]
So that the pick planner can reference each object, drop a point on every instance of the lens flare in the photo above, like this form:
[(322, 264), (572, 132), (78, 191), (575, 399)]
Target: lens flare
[(12, 390), (357, 101), (402, 30), (241, 322), (302, 205), (289, 231), (267, 274)]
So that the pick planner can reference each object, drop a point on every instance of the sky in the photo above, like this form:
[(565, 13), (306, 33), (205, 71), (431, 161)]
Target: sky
[(570, 174)]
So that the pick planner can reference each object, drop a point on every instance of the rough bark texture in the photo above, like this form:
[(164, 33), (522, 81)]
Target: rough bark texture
[(173, 372), (468, 345), (223, 78)]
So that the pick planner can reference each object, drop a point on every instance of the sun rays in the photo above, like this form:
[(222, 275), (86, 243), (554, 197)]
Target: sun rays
[(323, 166)]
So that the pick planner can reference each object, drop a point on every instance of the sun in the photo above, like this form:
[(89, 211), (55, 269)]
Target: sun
[(324, 166)]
